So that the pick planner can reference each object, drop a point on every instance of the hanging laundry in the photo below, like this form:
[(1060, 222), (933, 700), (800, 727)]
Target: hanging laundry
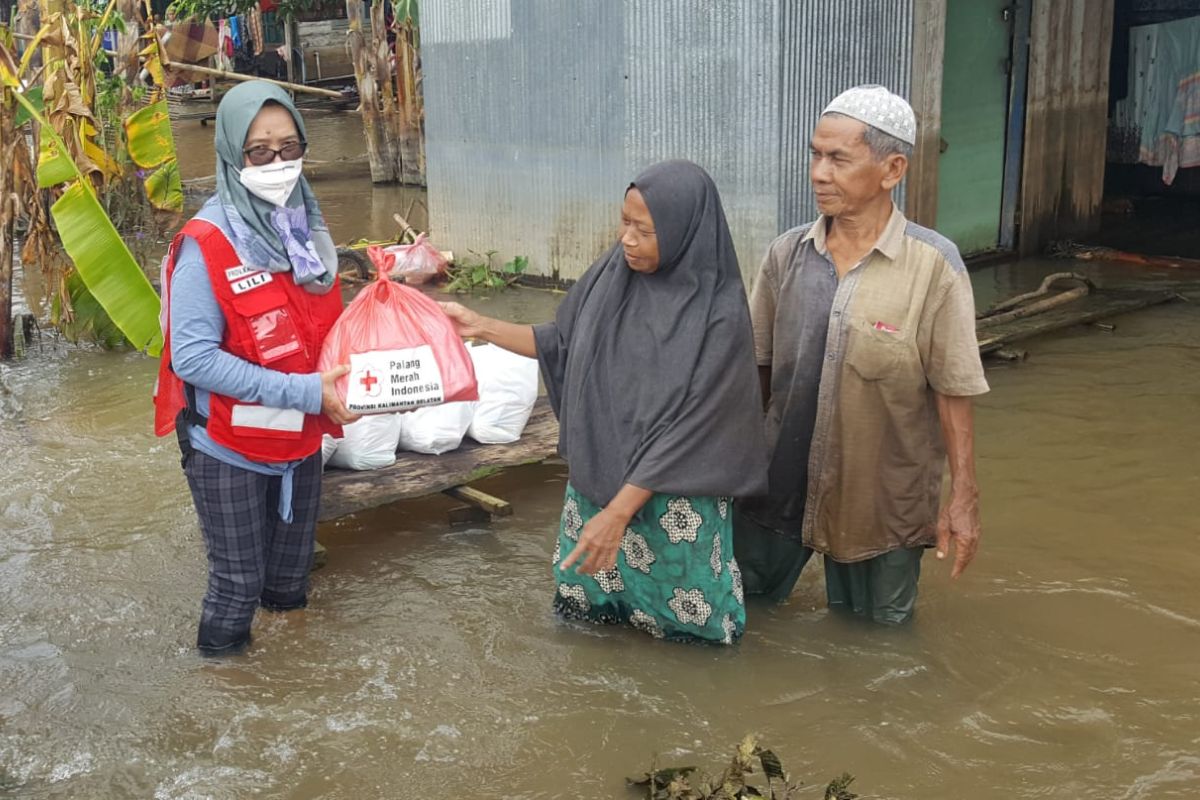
[(1158, 122)]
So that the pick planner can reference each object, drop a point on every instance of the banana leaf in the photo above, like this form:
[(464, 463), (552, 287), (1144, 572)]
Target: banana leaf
[(151, 145), (34, 96), (164, 187), (54, 164), (148, 133), (105, 264), (88, 318)]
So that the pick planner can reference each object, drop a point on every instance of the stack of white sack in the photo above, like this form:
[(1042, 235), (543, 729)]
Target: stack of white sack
[(369, 443), (508, 388), (435, 429)]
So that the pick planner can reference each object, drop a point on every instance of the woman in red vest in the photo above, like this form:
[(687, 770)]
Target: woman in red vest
[(250, 291)]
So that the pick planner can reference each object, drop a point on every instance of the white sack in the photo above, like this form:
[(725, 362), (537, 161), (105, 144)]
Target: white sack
[(329, 446), (508, 388), (369, 443), (436, 429)]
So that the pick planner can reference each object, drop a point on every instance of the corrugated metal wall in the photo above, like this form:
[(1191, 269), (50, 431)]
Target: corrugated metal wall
[(1062, 183), (829, 46), (538, 113)]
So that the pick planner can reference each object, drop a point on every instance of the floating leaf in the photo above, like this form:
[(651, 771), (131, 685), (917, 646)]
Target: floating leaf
[(770, 764), (839, 788)]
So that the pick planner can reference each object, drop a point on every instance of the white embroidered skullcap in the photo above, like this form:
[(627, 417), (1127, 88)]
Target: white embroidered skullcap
[(879, 108)]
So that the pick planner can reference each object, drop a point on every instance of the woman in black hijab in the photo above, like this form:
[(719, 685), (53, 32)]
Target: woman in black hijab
[(649, 366)]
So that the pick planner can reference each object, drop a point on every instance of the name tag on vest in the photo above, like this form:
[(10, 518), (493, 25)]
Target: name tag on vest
[(233, 273), (251, 282)]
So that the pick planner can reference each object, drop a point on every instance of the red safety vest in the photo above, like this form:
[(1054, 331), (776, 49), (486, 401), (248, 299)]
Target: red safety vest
[(269, 321)]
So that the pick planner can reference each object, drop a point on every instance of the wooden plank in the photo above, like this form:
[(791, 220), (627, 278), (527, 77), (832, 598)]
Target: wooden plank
[(494, 506), (1062, 180), (1098, 305), (416, 475), (929, 44)]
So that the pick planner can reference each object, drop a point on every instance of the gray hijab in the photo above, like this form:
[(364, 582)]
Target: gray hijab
[(290, 239), (652, 376)]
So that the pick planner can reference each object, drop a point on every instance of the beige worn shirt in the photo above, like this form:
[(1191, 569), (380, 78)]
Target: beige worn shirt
[(855, 364)]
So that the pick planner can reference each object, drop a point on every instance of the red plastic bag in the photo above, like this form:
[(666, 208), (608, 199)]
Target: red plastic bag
[(402, 349), (417, 262)]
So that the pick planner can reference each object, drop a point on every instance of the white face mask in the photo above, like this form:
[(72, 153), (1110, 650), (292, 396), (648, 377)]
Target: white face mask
[(272, 182)]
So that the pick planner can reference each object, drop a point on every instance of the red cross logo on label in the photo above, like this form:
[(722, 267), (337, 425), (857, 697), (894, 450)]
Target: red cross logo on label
[(370, 383)]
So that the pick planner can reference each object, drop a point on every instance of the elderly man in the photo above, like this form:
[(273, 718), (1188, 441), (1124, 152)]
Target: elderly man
[(864, 330)]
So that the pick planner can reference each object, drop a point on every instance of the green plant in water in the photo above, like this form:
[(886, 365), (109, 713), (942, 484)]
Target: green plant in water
[(735, 782), (480, 272)]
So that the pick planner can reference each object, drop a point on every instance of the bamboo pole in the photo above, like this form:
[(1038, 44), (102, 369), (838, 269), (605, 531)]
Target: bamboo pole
[(237, 76), (289, 46)]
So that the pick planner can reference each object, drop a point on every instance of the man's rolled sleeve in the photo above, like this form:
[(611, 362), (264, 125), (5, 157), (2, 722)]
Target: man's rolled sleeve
[(952, 363)]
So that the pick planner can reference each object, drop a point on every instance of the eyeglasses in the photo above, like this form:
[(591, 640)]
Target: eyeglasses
[(262, 155)]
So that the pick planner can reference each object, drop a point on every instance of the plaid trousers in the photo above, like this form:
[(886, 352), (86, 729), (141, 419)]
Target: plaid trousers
[(254, 557)]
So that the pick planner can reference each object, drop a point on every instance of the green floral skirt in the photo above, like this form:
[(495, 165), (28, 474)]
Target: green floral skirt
[(675, 578)]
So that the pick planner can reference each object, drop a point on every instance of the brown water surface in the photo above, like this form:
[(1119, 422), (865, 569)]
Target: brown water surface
[(429, 664)]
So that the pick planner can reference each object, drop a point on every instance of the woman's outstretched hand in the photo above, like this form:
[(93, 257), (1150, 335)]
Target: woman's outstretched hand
[(469, 324)]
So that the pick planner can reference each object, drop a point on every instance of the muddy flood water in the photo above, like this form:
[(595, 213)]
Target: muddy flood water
[(429, 663)]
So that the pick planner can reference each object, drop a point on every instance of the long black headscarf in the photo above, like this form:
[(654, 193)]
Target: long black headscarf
[(652, 376)]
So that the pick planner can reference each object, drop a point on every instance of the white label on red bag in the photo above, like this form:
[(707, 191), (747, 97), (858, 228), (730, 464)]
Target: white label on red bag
[(393, 380)]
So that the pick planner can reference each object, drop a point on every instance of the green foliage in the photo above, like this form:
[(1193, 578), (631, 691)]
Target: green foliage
[(85, 319), (480, 272), (104, 262), (216, 9), (23, 114), (735, 782)]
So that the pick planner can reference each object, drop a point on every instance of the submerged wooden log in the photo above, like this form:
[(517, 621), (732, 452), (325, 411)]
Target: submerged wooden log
[(1041, 291), (1098, 305), (415, 475), (1031, 309)]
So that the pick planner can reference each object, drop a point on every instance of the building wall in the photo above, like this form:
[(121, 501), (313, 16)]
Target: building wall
[(327, 38), (539, 113), (1066, 122)]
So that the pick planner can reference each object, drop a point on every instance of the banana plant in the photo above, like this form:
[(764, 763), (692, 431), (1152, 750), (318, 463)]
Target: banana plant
[(70, 164)]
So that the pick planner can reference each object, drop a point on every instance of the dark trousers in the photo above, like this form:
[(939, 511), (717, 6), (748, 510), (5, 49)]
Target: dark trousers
[(882, 589), (254, 557), (770, 562)]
